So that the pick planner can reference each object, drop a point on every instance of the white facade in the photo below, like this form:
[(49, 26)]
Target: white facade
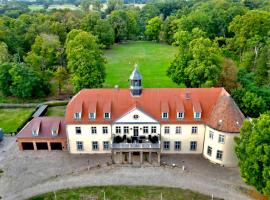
[(174, 138)]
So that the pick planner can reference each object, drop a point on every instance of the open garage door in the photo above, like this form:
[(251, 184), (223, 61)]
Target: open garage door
[(56, 146), (27, 146), (42, 146)]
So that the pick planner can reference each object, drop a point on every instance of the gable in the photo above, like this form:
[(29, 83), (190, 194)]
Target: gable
[(130, 117)]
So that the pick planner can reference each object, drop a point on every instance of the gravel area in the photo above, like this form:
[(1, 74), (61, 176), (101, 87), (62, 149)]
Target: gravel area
[(30, 173)]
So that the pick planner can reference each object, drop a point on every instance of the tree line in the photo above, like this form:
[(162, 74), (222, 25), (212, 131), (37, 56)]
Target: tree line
[(221, 43)]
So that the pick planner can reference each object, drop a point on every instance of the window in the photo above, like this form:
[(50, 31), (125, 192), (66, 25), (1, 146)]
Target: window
[(165, 115), (106, 115), (106, 145), (194, 129), (92, 115), (180, 115), (79, 146), (94, 145), (135, 116), (219, 155), (105, 130), (126, 129), (211, 135), (153, 129), (145, 129), (221, 139), (94, 130), (178, 130), (209, 151), (117, 129), (166, 145), (166, 129), (177, 145), (197, 115), (78, 130), (193, 146), (77, 115)]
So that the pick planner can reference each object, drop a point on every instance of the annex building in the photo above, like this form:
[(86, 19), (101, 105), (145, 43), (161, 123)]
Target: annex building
[(148, 122)]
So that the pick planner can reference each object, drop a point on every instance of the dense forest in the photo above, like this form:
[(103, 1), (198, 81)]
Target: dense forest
[(222, 43)]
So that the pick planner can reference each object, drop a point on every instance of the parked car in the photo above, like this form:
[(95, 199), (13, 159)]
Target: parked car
[(1, 134)]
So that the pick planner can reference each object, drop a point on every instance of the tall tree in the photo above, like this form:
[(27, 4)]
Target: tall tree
[(5, 78), (253, 152), (61, 76), (153, 28), (46, 53), (4, 55), (104, 31), (85, 61)]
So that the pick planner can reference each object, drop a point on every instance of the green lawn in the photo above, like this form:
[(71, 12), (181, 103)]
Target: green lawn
[(35, 7), (12, 118), (153, 60), (56, 111), (123, 192)]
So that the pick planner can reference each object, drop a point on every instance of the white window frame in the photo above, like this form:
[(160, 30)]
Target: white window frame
[(126, 130), (92, 115), (77, 115), (209, 151), (166, 130), (197, 115), (196, 145), (153, 129), (93, 130), (178, 130), (107, 117), (165, 115), (105, 130), (194, 129), (79, 143), (145, 130), (219, 155), (221, 139), (77, 128), (211, 135), (180, 115), (107, 147), (95, 143), (176, 144), (118, 129), (167, 145)]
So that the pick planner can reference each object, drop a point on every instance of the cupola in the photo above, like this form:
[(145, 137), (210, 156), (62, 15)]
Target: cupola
[(135, 82)]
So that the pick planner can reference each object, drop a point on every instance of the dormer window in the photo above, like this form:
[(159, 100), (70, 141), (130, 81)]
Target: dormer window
[(180, 115), (107, 115), (77, 115), (34, 132), (92, 115), (54, 132), (197, 115), (165, 115)]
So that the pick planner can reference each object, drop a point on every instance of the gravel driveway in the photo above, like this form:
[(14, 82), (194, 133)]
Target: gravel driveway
[(30, 173)]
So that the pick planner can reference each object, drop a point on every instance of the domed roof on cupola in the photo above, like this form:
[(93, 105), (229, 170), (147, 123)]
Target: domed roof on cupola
[(135, 75)]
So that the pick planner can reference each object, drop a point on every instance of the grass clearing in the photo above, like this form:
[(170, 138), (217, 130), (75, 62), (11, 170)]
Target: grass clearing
[(13, 118), (63, 6), (153, 60), (56, 111), (123, 192), (35, 7)]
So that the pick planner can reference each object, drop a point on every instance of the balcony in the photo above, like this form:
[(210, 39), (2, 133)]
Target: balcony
[(148, 145), (136, 142)]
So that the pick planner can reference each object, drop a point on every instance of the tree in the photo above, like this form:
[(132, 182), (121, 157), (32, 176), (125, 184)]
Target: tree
[(27, 83), (5, 78), (61, 76), (89, 21), (119, 22), (104, 31), (46, 53), (198, 63), (85, 61), (153, 28), (253, 150), (4, 55), (114, 5), (228, 76)]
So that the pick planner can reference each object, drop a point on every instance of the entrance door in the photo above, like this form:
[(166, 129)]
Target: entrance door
[(135, 131)]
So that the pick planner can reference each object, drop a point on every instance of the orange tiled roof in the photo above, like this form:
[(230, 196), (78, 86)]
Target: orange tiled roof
[(153, 101)]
